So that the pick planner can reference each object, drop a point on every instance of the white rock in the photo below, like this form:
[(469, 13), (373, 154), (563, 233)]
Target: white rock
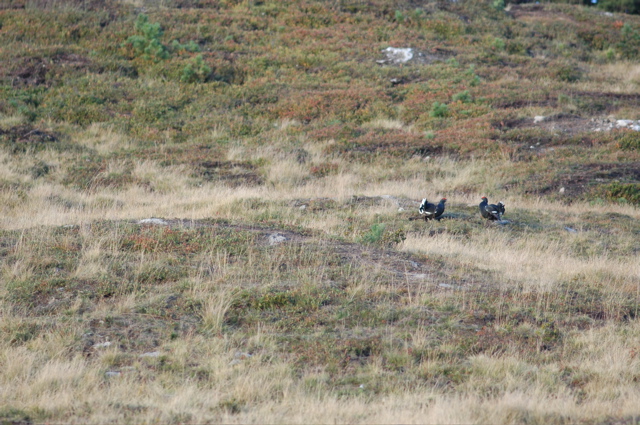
[(150, 354), (102, 344), (157, 221), (400, 209), (276, 238), (635, 127), (570, 230), (303, 207), (624, 123), (538, 118), (398, 55), (562, 189), (111, 373), (239, 356)]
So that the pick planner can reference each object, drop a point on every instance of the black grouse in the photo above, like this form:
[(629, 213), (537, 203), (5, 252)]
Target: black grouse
[(431, 211), (491, 211)]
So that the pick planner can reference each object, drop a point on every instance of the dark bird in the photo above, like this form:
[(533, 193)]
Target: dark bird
[(431, 211), (491, 211)]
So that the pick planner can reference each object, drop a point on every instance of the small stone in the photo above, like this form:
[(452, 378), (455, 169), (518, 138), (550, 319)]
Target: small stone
[(155, 221), (150, 354), (538, 119), (562, 189), (635, 127), (303, 207), (112, 373), (570, 230), (400, 209), (276, 238), (624, 123), (102, 344), (398, 55)]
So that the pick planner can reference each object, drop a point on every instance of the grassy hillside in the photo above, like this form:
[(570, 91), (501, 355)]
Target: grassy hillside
[(284, 155)]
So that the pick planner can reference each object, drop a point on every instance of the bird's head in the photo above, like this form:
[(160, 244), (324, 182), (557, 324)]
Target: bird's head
[(484, 198), (501, 203), (443, 200)]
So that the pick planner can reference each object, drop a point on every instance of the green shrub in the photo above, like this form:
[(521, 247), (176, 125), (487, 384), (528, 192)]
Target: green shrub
[(568, 73), (191, 46), (374, 234), (196, 71), (463, 97), (629, 192), (629, 141), (624, 6), (439, 110), (629, 44), (498, 44), (147, 43)]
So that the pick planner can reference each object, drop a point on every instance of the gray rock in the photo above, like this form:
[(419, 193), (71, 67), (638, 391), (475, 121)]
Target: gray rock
[(155, 221), (623, 123), (276, 238), (397, 55)]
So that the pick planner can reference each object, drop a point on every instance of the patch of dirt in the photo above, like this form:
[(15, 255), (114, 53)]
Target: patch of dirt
[(234, 173), (433, 55), (133, 333), (559, 124), (400, 264), (53, 4), (27, 134), (536, 12), (581, 179), (34, 71), (321, 204), (524, 103)]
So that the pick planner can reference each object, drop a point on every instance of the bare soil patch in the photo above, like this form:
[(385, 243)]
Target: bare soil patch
[(34, 71), (537, 12), (583, 178), (234, 173), (27, 134)]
